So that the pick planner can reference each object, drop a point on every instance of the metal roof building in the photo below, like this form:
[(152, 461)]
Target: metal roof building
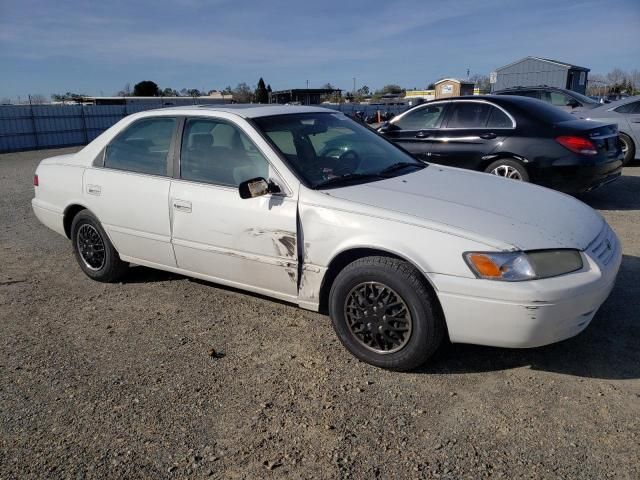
[(536, 71)]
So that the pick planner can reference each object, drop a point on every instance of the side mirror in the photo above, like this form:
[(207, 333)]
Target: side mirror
[(573, 103), (387, 127), (257, 187)]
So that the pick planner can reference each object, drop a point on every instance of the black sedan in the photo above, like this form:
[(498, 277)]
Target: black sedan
[(515, 137)]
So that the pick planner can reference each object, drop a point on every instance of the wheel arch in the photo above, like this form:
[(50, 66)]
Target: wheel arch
[(489, 159), (345, 257), (69, 214)]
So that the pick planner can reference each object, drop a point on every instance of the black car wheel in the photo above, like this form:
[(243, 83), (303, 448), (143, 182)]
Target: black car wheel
[(508, 168), (628, 148), (95, 254), (384, 314)]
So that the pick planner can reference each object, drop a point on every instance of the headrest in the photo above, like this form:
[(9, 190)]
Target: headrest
[(201, 140)]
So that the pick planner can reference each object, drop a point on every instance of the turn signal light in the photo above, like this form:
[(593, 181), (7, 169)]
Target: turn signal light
[(35, 181), (484, 265), (579, 145)]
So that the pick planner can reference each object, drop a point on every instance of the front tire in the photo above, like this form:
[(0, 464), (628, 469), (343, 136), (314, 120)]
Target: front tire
[(384, 313), (628, 148), (93, 250), (508, 168)]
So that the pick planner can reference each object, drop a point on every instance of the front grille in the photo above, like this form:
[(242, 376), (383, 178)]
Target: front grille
[(603, 247)]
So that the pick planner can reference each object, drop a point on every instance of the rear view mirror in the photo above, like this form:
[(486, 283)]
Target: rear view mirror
[(257, 187)]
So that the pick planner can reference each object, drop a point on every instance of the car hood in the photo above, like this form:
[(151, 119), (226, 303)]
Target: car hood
[(502, 213)]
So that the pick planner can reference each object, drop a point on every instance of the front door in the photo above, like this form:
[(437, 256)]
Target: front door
[(248, 243)]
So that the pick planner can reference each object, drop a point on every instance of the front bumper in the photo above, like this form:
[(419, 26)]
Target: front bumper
[(531, 313)]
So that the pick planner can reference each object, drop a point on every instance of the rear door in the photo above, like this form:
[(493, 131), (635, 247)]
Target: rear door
[(473, 129), (129, 190), (416, 129)]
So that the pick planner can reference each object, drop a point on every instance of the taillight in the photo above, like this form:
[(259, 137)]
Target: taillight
[(35, 180), (578, 145)]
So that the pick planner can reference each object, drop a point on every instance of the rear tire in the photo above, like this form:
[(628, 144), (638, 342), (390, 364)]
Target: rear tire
[(508, 168), (384, 313), (628, 148), (93, 250)]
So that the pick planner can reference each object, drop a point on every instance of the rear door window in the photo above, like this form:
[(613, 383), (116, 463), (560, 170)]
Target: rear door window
[(142, 147), (469, 115)]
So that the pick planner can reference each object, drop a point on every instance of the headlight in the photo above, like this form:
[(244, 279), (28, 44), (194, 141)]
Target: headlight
[(518, 266)]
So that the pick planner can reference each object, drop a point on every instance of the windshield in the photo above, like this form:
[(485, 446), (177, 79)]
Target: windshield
[(584, 99), (329, 149)]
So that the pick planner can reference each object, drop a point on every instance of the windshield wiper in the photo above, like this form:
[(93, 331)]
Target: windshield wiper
[(348, 178), (400, 166)]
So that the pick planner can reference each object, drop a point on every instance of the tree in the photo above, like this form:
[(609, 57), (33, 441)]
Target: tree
[(481, 82), (616, 76), (392, 88), (61, 97), (37, 99), (125, 92), (243, 93), (146, 88), (261, 94), (431, 86), (269, 88), (194, 92), (227, 90), (170, 92)]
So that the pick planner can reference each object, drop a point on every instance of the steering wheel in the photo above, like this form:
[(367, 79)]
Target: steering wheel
[(347, 162)]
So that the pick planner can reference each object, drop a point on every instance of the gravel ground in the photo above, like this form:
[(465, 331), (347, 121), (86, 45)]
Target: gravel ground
[(166, 377)]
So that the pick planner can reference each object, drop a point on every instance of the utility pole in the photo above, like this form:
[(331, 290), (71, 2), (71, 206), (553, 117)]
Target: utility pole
[(354, 87), (307, 84)]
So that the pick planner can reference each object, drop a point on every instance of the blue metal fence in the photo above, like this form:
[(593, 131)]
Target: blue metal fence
[(30, 127)]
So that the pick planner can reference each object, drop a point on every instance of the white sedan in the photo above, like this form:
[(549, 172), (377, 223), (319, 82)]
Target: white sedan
[(305, 205)]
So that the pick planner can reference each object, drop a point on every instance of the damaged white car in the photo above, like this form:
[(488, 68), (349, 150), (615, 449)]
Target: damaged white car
[(305, 205)]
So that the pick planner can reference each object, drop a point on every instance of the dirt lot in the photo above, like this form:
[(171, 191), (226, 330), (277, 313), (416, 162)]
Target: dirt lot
[(119, 381)]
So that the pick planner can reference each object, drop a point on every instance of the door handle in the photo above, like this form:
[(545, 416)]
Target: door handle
[(182, 206), (488, 136), (422, 134)]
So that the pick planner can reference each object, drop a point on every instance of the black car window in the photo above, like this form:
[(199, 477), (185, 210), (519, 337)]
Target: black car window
[(537, 110), (428, 116), (214, 151), (142, 147), (558, 99), (498, 119), (469, 115), (632, 107), (526, 93)]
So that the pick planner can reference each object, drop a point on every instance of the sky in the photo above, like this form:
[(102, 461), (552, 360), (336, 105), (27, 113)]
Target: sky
[(96, 47)]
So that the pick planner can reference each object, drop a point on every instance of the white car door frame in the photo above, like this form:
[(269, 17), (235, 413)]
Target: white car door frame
[(245, 243), (133, 207)]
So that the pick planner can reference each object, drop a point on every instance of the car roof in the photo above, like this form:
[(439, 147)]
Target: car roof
[(243, 110), (537, 87), (497, 99)]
